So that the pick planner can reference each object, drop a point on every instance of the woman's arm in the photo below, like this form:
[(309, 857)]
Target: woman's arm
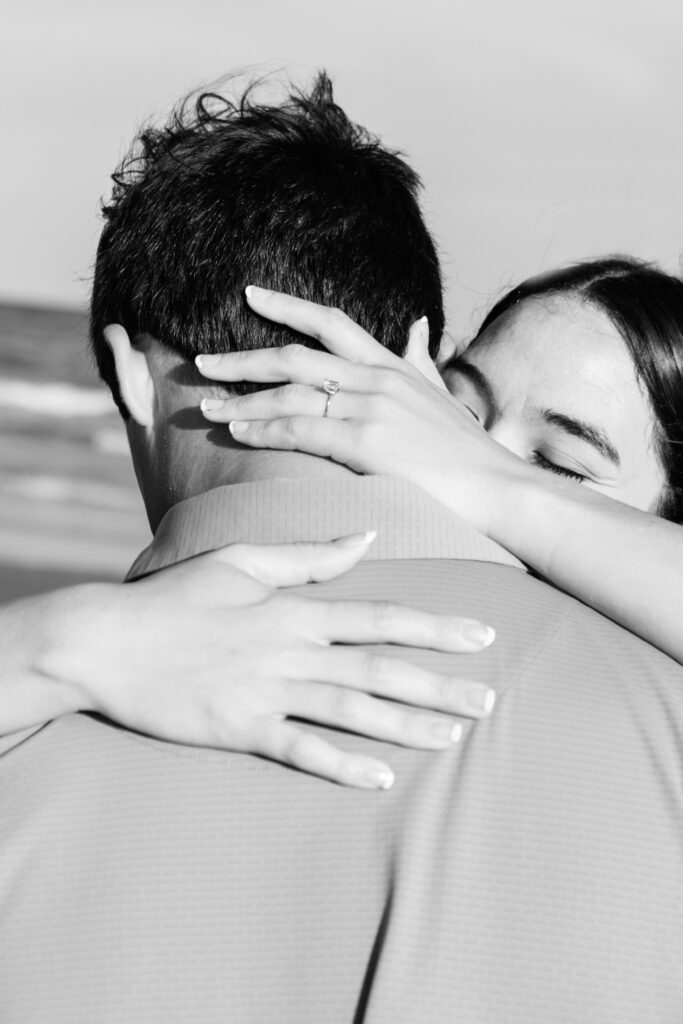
[(388, 418), (625, 563), (212, 653)]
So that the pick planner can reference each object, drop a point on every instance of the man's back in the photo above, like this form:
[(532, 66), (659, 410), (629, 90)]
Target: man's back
[(532, 873)]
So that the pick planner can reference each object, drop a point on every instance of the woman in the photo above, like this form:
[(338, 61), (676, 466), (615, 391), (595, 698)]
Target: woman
[(571, 394)]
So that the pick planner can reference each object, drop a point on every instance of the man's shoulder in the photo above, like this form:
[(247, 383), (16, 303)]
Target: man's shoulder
[(535, 622)]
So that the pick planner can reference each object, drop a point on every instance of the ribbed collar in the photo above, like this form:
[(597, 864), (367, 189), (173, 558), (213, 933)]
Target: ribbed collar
[(410, 524)]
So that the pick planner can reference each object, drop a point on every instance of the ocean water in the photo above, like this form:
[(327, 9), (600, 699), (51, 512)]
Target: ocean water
[(69, 505)]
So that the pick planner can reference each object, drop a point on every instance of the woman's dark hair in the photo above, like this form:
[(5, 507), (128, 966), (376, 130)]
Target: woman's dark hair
[(292, 196), (646, 307)]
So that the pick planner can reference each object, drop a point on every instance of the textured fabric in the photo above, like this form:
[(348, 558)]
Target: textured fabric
[(278, 511), (531, 874)]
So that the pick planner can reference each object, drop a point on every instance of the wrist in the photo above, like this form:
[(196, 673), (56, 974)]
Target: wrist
[(68, 657), (537, 515), (491, 494)]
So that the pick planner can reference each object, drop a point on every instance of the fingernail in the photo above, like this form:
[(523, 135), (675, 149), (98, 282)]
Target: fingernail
[(480, 698), (446, 732), (237, 427), (205, 361), (211, 404), (423, 320), (379, 778), (252, 291), (478, 634), (356, 540)]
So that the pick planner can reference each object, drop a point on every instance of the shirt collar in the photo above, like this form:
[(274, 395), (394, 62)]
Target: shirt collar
[(409, 523)]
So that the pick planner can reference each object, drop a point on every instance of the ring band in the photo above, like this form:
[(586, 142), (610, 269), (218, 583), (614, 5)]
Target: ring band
[(330, 387)]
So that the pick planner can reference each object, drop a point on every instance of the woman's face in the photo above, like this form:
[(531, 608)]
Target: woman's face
[(553, 381)]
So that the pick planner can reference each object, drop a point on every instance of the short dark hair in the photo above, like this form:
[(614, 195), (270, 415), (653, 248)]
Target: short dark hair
[(646, 307), (293, 197)]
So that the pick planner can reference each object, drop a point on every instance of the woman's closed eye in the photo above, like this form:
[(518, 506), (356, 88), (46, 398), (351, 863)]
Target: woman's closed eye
[(473, 413), (538, 459)]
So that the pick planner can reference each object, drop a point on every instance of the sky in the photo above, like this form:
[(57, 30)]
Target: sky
[(543, 131)]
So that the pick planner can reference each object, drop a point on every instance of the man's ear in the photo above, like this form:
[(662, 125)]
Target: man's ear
[(132, 370)]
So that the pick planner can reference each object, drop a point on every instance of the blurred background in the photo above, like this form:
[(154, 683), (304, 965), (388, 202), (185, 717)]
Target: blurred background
[(543, 132)]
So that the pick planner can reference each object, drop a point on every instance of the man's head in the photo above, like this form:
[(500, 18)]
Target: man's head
[(293, 197)]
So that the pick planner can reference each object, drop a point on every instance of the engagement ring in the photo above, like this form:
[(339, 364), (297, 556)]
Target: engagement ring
[(330, 387)]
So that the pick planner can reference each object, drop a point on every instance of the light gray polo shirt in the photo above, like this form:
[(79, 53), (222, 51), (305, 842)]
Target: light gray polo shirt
[(531, 874)]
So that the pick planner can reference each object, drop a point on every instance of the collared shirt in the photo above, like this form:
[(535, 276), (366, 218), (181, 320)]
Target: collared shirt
[(279, 511), (532, 873)]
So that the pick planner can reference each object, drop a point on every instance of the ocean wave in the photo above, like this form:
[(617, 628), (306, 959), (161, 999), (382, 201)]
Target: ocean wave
[(46, 488), (111, 441), (62, 400)]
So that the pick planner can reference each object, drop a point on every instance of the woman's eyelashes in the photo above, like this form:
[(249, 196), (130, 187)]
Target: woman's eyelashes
[(539, 459), (474, 414)]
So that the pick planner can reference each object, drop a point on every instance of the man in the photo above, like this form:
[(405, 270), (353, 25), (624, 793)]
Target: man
[(533, 872)]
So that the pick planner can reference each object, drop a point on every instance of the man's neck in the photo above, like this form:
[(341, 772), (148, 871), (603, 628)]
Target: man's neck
[(268, 465), (195, 469), (184, 456)]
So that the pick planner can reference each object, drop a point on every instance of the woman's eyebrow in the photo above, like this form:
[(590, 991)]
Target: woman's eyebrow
[(577, 428), (475, 376)]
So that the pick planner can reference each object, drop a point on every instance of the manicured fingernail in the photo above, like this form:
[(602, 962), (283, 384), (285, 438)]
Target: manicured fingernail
[(206, 361), (237, 427), (357, 540), (446, 732), (379, 778), (480, 699), (478, 634), (211, 404), (252, 291)]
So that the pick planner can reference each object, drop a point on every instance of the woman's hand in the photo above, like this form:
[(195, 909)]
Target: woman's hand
[(387, 417), (211, 653)]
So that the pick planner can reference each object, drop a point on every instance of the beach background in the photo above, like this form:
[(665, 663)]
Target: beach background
[(69, 506), (543, 132)]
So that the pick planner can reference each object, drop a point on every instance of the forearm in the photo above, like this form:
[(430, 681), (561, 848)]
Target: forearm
[(41, 640), (622, 562)]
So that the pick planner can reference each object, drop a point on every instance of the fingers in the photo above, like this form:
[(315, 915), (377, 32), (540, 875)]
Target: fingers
[(417, 353), (389, 677), (290, 744), (418, 339), (275, 403), (288, 565), (332, 328), (365, 715), (331, 439), (293, 363), (378, 622)]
